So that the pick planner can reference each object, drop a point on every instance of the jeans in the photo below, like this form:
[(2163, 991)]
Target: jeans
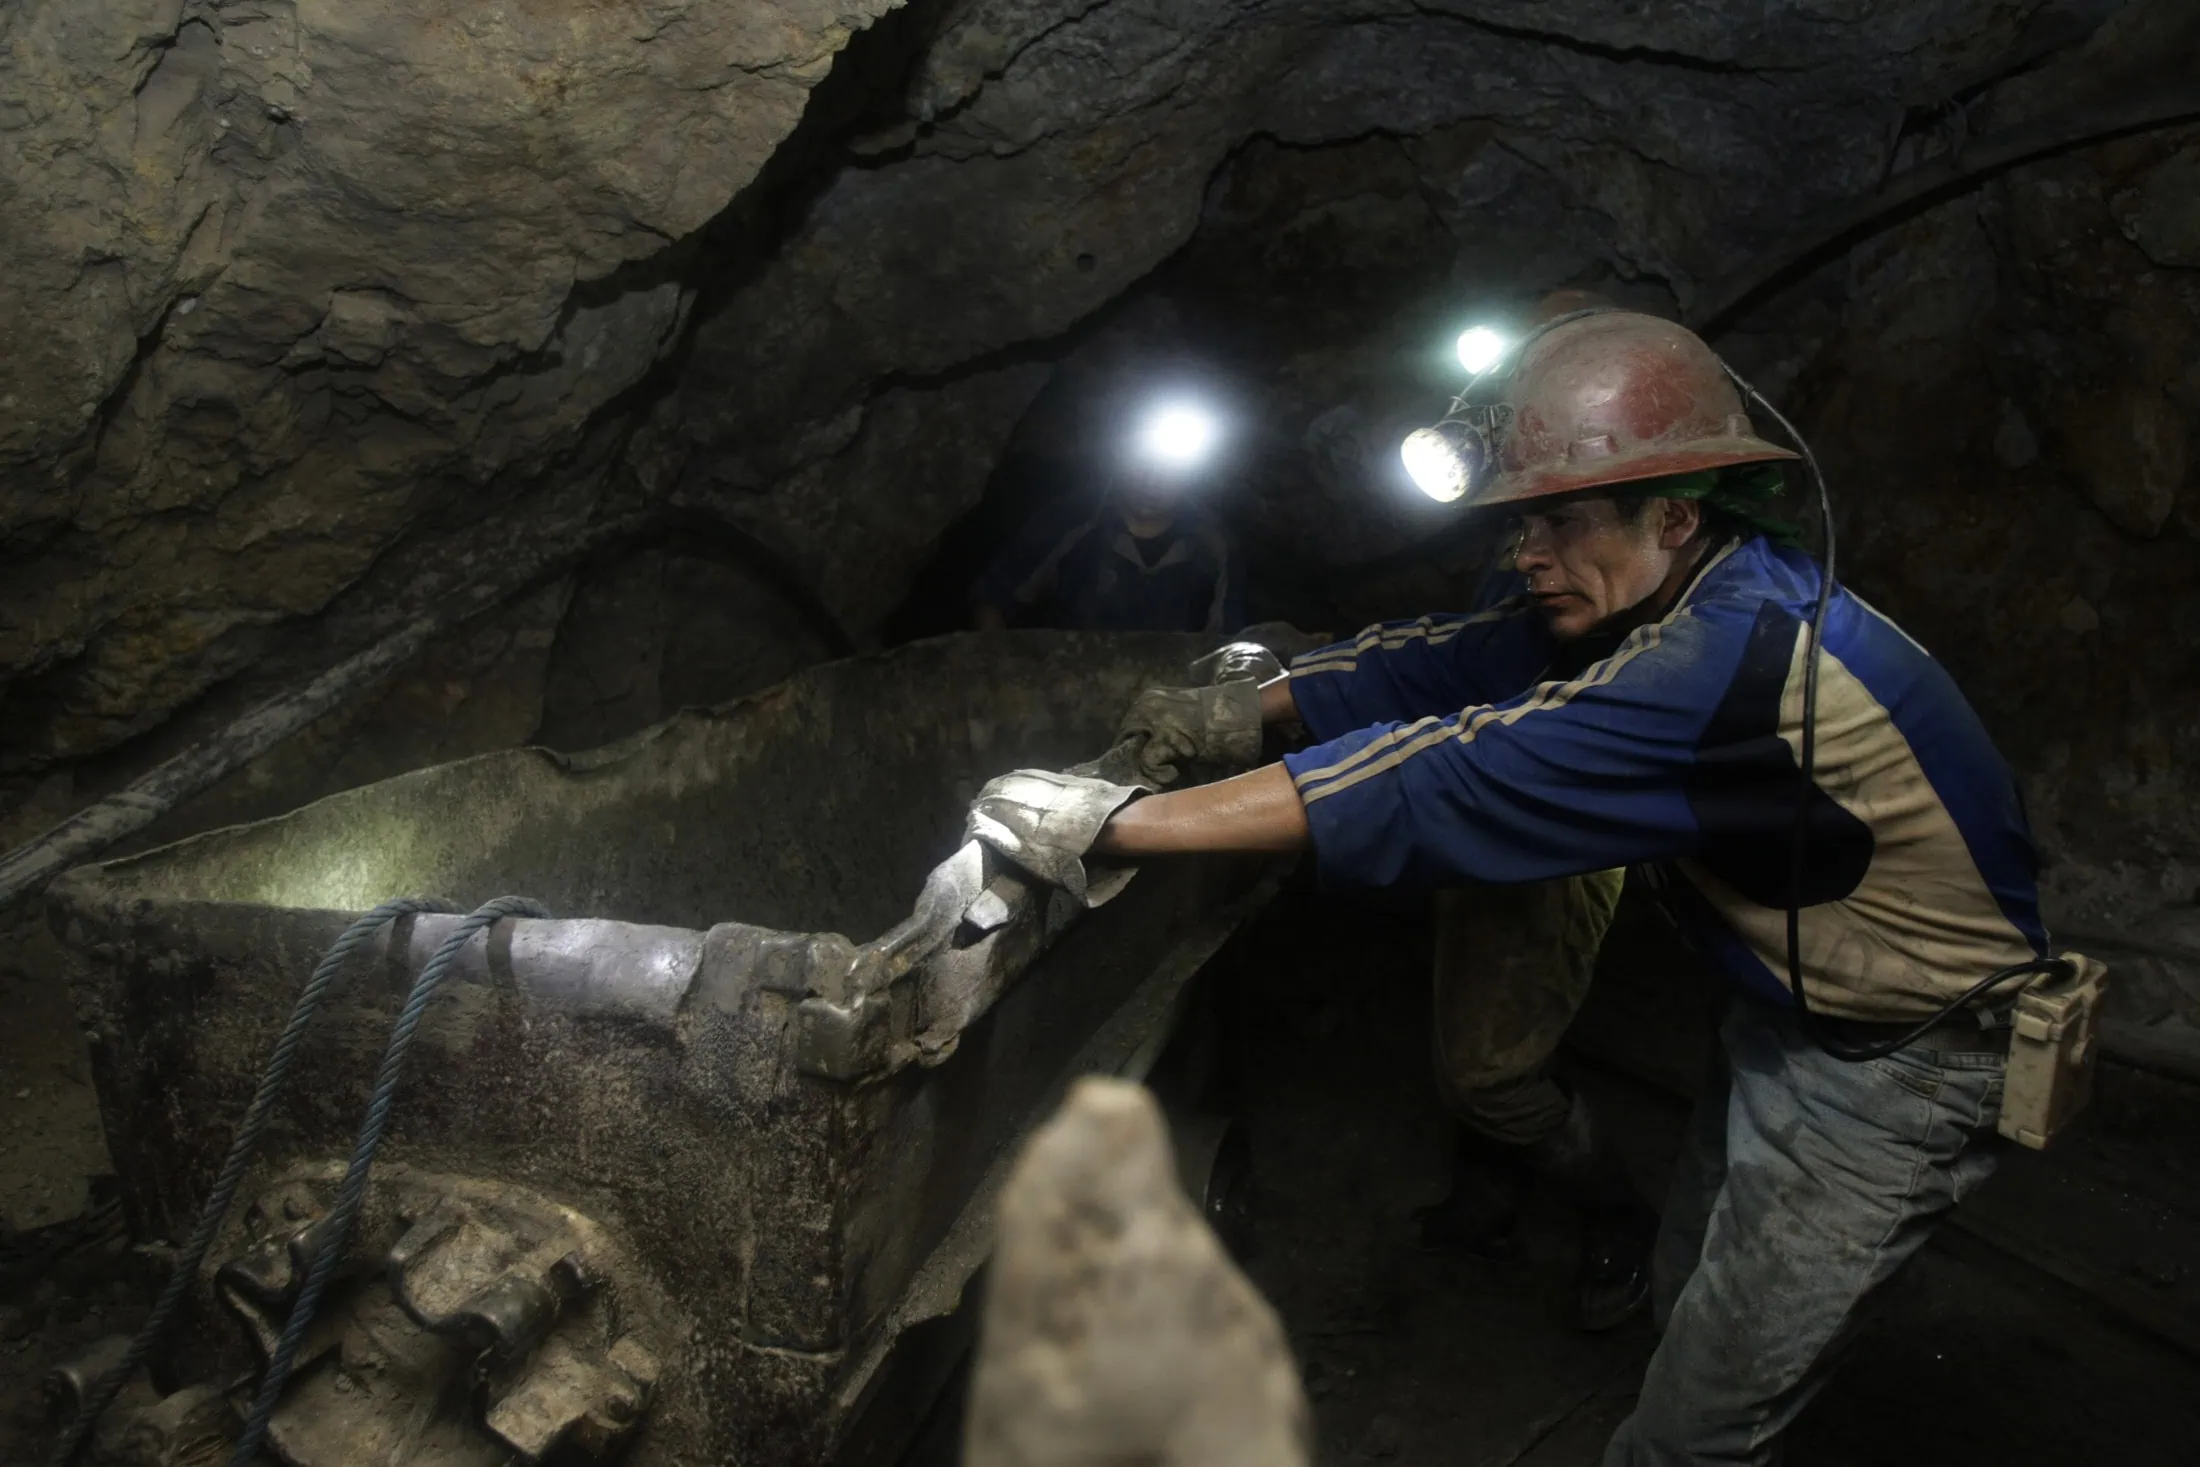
[(1805, 1185)]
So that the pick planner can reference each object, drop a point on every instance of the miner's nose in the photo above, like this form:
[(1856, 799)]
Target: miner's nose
[(1531, 547)]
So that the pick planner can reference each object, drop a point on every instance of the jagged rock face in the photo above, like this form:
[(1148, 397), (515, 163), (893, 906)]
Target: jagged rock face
[(284, 279), (2005, 397), (323, 311), (1057, 153)]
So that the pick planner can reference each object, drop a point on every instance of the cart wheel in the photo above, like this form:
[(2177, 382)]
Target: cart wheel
[(1215, 1164)]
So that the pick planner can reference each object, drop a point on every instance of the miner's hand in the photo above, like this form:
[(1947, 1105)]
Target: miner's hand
[(1213, 725), (1044, 823), (1236, 661)]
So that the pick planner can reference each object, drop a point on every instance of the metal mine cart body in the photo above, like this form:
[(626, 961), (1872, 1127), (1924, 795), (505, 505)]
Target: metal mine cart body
[(661, 1184)]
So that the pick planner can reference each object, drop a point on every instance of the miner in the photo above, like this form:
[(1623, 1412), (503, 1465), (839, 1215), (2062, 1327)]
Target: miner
[(1640, 704), (1145, 555)]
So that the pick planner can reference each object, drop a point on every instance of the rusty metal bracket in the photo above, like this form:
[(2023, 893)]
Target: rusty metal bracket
[(453, 1280)]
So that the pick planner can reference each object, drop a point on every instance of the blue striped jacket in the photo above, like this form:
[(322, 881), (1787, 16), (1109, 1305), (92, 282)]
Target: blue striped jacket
[(1449, 757)]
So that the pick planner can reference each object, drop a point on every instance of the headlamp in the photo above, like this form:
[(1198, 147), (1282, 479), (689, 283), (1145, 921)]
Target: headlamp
[(1441, 461), (1447, 461), (1177, 436), (1481, 348)]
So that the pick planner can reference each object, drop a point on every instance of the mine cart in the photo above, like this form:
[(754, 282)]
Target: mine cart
[(682, 1174)]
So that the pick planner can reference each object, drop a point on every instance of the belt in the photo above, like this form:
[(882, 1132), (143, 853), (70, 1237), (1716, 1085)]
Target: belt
[(1968, 1032)]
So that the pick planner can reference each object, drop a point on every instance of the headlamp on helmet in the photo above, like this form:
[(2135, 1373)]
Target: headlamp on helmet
[(1176, 436), (1448, 461), (1481, 348)]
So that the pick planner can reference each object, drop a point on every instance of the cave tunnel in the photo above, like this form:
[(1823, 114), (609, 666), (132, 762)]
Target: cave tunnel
[(560, 450)]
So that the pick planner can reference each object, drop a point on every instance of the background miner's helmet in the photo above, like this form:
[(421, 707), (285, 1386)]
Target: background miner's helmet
[(1610, 396)]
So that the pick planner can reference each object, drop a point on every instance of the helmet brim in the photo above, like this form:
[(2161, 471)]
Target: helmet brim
[(1616, 470)]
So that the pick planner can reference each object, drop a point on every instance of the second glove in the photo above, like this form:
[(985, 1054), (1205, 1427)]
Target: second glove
[(1214, 725), (1235, 660)]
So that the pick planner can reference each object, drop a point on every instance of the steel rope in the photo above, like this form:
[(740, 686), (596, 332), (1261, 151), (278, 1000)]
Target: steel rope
[(249, 1130), (336, 1227)]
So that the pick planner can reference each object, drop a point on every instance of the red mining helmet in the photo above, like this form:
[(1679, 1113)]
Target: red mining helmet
[(1608, 396)]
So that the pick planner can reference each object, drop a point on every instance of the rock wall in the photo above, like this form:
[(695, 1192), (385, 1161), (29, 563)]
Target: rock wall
[(2007, 393), (287, 282), (1055, 156)]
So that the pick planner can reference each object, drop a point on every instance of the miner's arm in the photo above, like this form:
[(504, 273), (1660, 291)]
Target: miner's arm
[(1568, 777), (1259, 811)]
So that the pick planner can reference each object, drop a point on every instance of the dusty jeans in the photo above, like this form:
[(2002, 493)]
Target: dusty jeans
[(1512, 967), (1805, 1185)]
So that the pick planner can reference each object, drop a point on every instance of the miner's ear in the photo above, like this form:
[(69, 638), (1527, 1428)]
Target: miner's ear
[(1678, 522)]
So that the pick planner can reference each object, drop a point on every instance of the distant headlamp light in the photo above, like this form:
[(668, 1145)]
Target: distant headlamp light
[(1480, 349), (1178, 436)]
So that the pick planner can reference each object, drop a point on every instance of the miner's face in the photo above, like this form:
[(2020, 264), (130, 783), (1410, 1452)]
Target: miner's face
[(1146, 494), (1589, 562)]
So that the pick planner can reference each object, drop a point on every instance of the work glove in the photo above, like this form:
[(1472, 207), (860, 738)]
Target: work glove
[(1212, 725), (1046, 822), (1284, 639), (1234, 661)]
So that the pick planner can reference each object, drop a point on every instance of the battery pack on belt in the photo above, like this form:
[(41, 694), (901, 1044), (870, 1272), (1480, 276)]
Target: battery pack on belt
[(2053, 1045)]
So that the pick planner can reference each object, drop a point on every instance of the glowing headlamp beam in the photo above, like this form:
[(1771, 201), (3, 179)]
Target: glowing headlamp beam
[(1178, 435), (1437, 466), (1480, 347)]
